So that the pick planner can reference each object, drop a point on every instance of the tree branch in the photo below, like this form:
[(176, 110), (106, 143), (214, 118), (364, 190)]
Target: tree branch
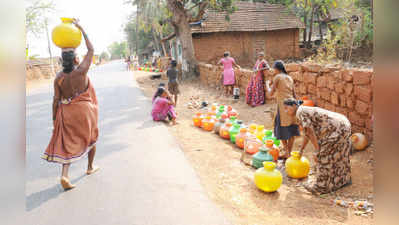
[(202, 8), (168, 37), (192, 7)]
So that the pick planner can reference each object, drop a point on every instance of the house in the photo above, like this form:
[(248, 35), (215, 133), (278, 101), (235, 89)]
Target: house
[(252, 28)]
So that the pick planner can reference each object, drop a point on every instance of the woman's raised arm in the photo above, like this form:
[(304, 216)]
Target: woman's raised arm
[(85, 65)]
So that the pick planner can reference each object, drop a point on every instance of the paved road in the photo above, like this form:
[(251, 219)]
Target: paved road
[(144, 176)]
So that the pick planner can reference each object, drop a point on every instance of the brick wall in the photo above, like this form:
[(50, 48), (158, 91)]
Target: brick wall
[(243, 46), (346, 91)]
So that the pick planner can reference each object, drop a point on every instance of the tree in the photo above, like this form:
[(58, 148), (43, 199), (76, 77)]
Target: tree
[(137, 39), (184, 12), (149, 17), (104, 56), (36, 15), (118, 50)]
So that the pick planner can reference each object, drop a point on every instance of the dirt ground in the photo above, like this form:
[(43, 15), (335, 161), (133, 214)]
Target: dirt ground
[(229, 182)]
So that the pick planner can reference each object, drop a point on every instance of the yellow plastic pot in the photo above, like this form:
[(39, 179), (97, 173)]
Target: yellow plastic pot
[(268, 178), (260, 133), (297, 167), (66, 35), (252, 128)]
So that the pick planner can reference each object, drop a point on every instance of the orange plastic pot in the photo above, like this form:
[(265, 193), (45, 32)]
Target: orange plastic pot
[(224, 130), (232, 113), (204, 116), (275, 152), (307, 101), (213, 109), (252, 144), (208, 123), (240, 138), (197, 119), (273, 149)]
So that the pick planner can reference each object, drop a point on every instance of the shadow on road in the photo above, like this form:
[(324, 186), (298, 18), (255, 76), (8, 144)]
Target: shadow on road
[(122, 111), (34, 200), (149, 124)]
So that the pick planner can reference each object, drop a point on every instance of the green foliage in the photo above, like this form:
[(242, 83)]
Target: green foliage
[(104, 56), (34, 57), (118, 50), (143, 38), (147, 24), (366, 33), (36, 15), (326, 53)]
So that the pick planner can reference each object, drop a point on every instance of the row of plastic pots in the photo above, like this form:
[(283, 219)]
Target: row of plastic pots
[(257, 141), (146, 69)]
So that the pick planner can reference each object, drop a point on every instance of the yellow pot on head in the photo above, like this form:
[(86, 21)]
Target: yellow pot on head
[(297, 167), (66, 35), (268, 178)]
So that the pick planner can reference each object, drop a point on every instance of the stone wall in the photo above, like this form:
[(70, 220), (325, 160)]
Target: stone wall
[(346, 91), (243, 46), (36, 70)]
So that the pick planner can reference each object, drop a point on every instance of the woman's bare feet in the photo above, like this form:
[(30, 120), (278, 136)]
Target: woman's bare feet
[(92, 170), (310, 188), (66, 184)]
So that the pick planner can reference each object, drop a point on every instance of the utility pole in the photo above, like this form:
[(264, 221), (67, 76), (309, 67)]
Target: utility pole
[(49, 48)]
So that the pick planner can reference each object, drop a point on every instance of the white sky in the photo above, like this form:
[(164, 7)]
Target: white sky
[(102, 20)]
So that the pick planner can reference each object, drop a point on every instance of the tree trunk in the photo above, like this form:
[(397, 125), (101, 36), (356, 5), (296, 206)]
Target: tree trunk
[(163, 45), (180, 22), (156, 41), (137, 31), (305, 18), (309, 44), (320, 26), (372, 10)]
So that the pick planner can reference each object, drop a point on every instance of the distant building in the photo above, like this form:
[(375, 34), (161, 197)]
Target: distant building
[(252, 28)]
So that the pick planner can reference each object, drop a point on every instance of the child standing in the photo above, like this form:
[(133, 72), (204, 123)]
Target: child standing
[(173, 86)]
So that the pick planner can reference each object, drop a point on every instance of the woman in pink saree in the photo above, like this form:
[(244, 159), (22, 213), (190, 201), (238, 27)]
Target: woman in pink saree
[(162, 106), (255, 95), (229, 78)]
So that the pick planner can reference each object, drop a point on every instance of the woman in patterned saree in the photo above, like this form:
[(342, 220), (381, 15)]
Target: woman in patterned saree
[(329, 133), (256, 86)]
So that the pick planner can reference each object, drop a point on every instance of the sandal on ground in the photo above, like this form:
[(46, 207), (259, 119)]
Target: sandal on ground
[(93, 170), (66, 184)]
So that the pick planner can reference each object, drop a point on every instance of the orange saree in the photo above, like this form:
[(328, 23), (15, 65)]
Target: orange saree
[(75, 128)]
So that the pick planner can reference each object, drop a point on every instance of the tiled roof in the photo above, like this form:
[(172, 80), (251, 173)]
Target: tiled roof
[(249, 17)]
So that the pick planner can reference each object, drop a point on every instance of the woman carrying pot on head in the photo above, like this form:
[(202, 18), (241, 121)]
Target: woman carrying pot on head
[(256, 86), (329, 132), (285, 127), (75, 114), (229, 78)]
